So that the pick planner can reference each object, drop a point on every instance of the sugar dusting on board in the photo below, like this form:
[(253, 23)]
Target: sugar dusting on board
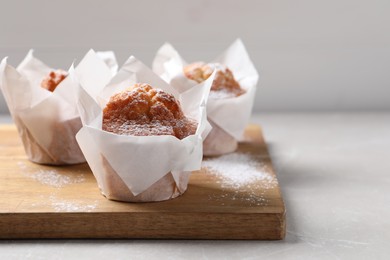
[(52, 177), (242, 176), (22, 165), (70, 206), (61, 205), (238, 170)]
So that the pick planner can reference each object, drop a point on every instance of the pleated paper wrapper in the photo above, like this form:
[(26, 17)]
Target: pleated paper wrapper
[(137, 168), (47, 122)]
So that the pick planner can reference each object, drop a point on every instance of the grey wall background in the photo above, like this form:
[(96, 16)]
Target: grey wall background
[(312, 55)]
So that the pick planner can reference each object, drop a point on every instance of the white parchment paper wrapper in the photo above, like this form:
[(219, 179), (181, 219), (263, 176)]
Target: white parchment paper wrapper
[(137, 168), (228, 116), (47, 122)]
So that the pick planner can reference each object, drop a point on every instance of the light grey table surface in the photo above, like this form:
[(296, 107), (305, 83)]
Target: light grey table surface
[(334, 172)]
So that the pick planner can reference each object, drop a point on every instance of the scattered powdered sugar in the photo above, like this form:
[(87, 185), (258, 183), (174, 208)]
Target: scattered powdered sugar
[(70, 206), (61, 205), (53, 178), (242, 176), (238, 170), (57, 179), (22, 165)]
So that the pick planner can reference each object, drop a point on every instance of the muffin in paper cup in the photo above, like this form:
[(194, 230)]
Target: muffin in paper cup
[(227, 115), (137, 168), (42, 102)]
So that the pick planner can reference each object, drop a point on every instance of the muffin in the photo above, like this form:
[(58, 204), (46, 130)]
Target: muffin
[(142, 110), (231, 96), (224, 86), (47, 120), (141, 142), (63, 148)]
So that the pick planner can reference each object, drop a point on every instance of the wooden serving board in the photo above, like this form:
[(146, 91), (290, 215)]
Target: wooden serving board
[(39, 201)]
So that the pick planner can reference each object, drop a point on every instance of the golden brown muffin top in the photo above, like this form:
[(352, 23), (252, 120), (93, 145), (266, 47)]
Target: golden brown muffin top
[(51, 81), (224, 84), (142, 110)]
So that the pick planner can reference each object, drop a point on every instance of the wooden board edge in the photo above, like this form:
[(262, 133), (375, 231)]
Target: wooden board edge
[(160, 226)]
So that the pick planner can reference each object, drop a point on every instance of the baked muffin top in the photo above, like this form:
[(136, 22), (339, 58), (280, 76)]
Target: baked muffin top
[(53, 79), (142, 110), (224, 84)]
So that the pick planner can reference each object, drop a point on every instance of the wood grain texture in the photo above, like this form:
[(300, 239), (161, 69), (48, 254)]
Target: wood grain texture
[(40, 201)]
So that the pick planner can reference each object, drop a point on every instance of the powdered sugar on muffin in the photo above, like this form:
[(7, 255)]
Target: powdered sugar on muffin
[(224, 84), (142, 110)]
